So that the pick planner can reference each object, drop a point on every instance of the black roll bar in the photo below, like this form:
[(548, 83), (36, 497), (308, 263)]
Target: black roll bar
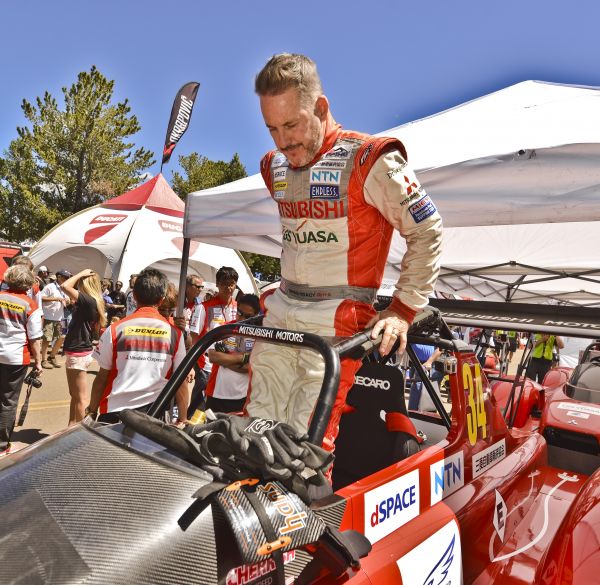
[(355, 347)]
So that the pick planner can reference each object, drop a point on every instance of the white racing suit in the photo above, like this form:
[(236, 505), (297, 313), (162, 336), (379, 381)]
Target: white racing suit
[(338, 215)]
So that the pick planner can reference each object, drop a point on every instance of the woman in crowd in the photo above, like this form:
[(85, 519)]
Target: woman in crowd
[(167, 310), (88, 316)]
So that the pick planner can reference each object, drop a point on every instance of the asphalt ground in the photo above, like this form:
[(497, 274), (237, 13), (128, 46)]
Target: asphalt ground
[(48, 410)]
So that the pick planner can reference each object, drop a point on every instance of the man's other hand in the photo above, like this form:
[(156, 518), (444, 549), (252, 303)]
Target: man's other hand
[(393, 327)]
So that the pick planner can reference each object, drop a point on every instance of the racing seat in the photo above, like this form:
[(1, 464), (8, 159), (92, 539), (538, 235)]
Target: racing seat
[(375, 430)]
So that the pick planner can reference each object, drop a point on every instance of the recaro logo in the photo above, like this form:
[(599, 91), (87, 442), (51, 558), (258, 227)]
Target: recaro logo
[(372, 382)]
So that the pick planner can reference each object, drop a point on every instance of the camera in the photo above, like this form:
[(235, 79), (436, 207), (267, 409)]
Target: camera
[(32, 379)]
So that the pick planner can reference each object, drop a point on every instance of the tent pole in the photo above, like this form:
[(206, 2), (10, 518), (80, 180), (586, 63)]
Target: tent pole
[(185, 255)]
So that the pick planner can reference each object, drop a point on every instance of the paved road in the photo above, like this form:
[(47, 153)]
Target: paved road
[(48, 407)]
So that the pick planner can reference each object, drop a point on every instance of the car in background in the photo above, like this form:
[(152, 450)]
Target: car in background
[(8, 250)]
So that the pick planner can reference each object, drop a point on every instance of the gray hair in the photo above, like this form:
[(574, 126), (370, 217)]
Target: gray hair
[(22, 261), (19, 278), (286, 71)]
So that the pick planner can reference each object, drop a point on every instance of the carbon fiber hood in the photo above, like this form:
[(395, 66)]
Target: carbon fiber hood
[(78, 508)]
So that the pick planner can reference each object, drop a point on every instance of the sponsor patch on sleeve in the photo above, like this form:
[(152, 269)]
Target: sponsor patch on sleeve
[(422, 209)]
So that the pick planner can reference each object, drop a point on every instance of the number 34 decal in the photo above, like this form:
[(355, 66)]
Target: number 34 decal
[(476, 417)]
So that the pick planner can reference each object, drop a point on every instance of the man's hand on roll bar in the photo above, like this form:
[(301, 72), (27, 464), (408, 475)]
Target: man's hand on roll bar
[(393, 328)]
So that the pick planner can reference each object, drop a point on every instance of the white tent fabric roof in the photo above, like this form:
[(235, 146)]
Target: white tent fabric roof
[(509, 171)]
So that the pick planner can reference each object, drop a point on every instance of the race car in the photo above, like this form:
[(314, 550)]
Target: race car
[(420, 498)]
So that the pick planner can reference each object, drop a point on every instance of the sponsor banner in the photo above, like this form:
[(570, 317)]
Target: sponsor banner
[(422, 209), (252, 574), (287, 513), (312, 209), (337, 152), (487, 458), (391, 505), (365, 154), (368, 382), (279, 189), (324, 191), (331, 164), (392, 172), (107, 218), (309, 237), (103, 224), (436, 561), (170, 226), (181, 114), (146, 331), (325, 176), (575, 321), (447, 476), (12, 307), (279, 174), (583, 408), (500, 513), (278, 160), (577, 414)]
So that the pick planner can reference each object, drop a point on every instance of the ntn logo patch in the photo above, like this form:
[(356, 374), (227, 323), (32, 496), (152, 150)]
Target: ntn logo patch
[(325, 176), (447, 476)]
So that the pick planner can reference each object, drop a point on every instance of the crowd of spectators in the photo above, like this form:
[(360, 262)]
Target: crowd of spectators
[(134, 335)]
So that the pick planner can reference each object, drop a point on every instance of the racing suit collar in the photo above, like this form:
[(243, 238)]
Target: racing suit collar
[(148, 311), (332, 131)]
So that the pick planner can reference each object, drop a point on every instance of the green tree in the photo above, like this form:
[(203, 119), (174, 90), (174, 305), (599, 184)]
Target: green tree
[(268, 267), (202, 173), (69, 158)]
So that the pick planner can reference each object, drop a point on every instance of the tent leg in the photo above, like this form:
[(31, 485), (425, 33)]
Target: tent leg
[(185, 256)]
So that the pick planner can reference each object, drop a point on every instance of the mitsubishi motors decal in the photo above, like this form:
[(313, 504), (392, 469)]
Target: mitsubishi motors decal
[(102, 223)]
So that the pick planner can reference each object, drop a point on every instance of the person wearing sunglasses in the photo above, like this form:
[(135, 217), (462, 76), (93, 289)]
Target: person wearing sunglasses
[(227, 385)]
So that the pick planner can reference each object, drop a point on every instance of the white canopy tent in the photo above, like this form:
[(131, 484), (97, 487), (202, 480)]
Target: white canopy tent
[(139, 229), (516, 176)]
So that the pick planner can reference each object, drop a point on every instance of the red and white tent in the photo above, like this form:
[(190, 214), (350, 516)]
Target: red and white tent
[(136, 230)]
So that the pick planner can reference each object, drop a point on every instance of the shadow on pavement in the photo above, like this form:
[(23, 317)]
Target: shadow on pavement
[(28, 436)]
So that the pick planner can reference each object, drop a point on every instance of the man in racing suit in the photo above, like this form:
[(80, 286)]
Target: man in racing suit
[(340, 195)]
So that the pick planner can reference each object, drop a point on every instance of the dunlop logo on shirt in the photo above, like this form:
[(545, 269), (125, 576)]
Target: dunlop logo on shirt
[(11, 306), (146, 331)]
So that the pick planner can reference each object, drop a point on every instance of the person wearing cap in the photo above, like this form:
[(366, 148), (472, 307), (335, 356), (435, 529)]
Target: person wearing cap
[(130, 304), (54, 301), (119, 299), (42, 276)]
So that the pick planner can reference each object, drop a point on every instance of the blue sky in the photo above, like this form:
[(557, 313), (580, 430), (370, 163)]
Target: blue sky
[(382, 63)]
